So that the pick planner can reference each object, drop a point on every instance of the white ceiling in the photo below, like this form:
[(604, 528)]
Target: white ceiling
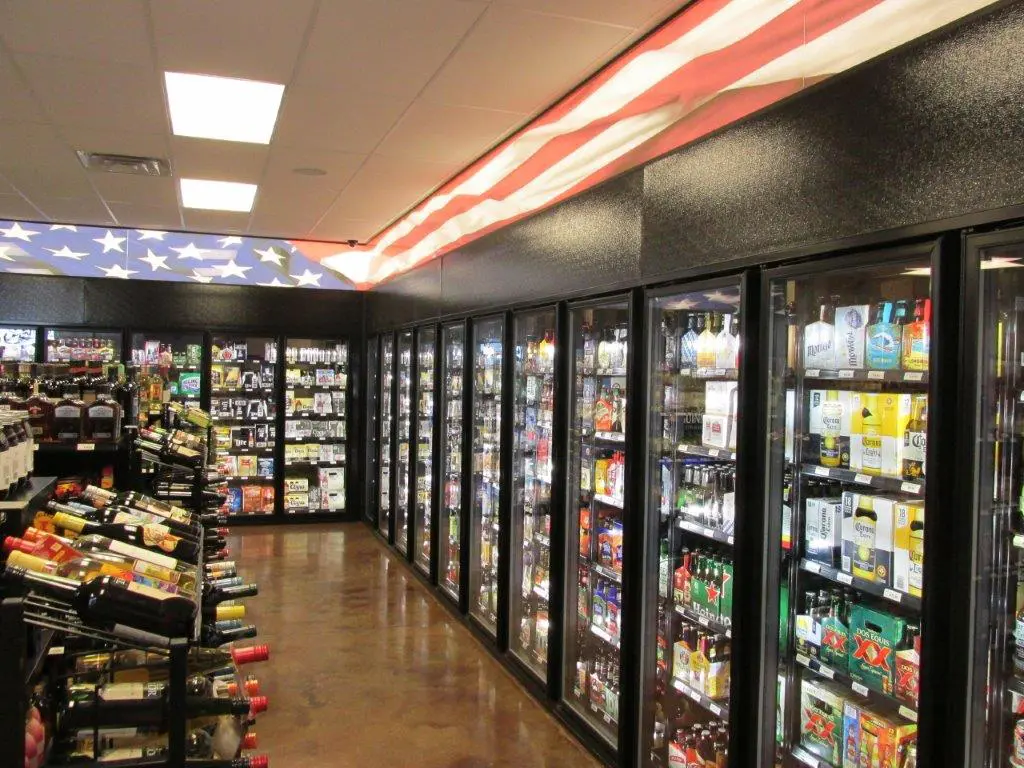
[(389, 97)]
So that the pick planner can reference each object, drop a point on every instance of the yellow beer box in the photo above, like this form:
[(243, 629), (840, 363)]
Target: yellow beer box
[(868, 536), (296, 484), (876, 439), (908, 548)]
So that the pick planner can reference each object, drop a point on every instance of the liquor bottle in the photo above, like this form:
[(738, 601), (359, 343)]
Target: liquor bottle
[(60, 550), (114, 604), (87, 569), (736, 341), (917, 337), (915, 439), (819, 338), (706, 357), (39, 407), (725, 344), (102, 418), (144, 704), (128, 398), (884, 339), (151, 536), (831, 429), (213, 595), (688, 344)]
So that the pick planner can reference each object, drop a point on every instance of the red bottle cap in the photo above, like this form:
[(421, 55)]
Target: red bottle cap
[(222, 531), (232, 689), (250, 653), (259, 761), (32, 534), (11, 543), (249, 741), (252, 686), (257, 704)]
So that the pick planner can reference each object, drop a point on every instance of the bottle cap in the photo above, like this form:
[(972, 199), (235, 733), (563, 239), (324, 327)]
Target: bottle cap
[(257, 704), (249, 741), (251, 653), (230, 612), (12, 543), (259, 761), (28, 562), (252, 685), (222, 531), (231, 689)]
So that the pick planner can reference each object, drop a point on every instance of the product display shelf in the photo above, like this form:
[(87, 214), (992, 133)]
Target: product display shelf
[(706, 532), (862, 375), (695, 618), (861, 585), (16, 512), (722, 454), (885, 483), (905, 709), (719, 708)]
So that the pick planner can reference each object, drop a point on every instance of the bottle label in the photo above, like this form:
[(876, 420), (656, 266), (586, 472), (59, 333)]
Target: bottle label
[(67, 412), (883, 347), (864, 540), (144, 589), (101, 412), (129, 753), (124, 691), (121, 548), (871, 454), (155, 535)]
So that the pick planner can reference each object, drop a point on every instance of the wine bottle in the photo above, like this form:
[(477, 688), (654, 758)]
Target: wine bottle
[(94, 543), (150, 536), (119, 514), (101, 497), (171, 453), (87, 569), (223, 612), (144, 704), (53, 549), (211, 637), (157, 665), (202, 742), (212, 595), (107, 602), (156, 757)]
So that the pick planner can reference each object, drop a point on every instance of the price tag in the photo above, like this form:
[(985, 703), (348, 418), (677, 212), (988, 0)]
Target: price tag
[(802, 659), (685, 448), (813, 372), (908, 713), (862, 479), (719, 372), (693, 695), (35, 446), (607, 718), (56, 650), (858, 688), (821, 471), (910, 487), (813, 567), (845, 578), (846, 373), (876, 375), (712, 451), (703, 621), (707, 533), (827, 672), (715, 709), (729, 540), (913, 376), (892, 594), (85, 447)]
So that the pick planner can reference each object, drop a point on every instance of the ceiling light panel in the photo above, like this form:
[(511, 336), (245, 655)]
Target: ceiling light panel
[(224, 108), (217, 195)]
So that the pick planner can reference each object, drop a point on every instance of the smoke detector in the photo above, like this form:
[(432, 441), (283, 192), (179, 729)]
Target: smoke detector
[(138, 166)]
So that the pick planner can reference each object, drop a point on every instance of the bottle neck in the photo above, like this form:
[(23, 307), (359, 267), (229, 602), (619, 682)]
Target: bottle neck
[(48, 584)]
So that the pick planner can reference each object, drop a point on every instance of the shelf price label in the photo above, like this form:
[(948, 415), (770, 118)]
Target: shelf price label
[(892, 594), (846, 373), (813, 372), (913, 376), (715, 709), (859, 688), (862, 479), (908, 487), (845, 578), (821, 471), (876, 375), (812, 566), (908, 713), (85, 447)]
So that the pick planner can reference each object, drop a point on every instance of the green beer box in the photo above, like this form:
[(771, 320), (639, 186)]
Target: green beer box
[(725, 601), (835, 643), (821, 720), (873, 639)]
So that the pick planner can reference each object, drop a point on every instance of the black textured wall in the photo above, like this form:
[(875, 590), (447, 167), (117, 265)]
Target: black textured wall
[(159, 306), (925, 139)]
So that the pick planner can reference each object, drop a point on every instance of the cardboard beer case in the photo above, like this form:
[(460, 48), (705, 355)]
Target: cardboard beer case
[(823, 530), (874, 636), (821, 720), (867, 531)]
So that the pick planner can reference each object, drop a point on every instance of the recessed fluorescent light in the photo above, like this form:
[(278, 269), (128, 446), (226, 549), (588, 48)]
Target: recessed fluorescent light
[(217, 195), (225, 108)]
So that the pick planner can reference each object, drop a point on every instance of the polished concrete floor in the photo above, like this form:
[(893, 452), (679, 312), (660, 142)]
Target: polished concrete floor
[(367, 669)]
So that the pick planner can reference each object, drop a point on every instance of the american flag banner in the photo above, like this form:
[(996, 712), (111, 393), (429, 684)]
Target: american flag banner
[(144, 254), (715, 63)]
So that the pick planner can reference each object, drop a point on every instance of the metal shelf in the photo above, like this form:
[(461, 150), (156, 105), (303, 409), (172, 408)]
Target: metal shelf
[(879, 482), (717, 708), (830, 673), (712, 534), (861, 585)]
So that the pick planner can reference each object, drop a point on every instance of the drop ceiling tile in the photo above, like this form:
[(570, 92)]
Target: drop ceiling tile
[(19, 102), (443, 133), (32, 145), (17, 207), (137, 190), (341, 230), (220, 160), (215, 221), (254, 39), (6, 188), (389, 47), (635, 13), (289, 211), (146, 216), (79, 92), (112, 30), (343, 121), (75, 210), (386, 186), (522, 61), (339, 168), (116, 142)]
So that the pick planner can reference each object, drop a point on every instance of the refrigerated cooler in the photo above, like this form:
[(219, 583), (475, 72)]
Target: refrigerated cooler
[(387, 423), (691, 492), (243, 405), (66, 345), (453, 338), (170, 369), (596, 502), (849, 418), (17, 345), (488, 362), (403, 464), (315, 426), (426, 343), (372, 446), (533, 405)]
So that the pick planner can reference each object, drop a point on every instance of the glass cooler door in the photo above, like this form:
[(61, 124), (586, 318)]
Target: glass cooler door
[(17, 345), (694, 381), (404, 466), (487, 372), (315, 426), (1000, 502), (372, 429), (426, 341), (67, 345), (454, 338), (243, 405), (596, 506), (171, 364), (533, 399), (849, 421), (387, 422)]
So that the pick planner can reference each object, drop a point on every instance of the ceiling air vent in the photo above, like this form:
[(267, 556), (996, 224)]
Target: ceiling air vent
[(139, 166)]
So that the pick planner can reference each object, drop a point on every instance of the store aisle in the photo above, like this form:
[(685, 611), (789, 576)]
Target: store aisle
[(367, 669)]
